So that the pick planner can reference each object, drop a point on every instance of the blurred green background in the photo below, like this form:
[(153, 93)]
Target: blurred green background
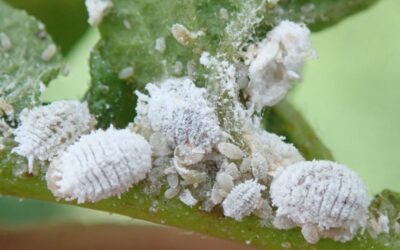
[(350, 95)]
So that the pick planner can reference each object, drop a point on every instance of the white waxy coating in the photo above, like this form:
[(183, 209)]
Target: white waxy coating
[(223, 14), (243, 199), (269, 151), (178, 68), (322, 194), (173, 180), (159, 145), (186, 155), (126, 73), (183, 35), (225, 181), (278, 64), (97, 9), (47, 130), (230, 150), (49, 53), (181, 112), (189, 176), (100, 165), (172, 192), (160, 45), (5, 42), (187, 198)]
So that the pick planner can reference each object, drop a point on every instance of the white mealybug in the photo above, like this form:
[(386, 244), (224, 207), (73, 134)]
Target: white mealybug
[(243, 199), (49, 52), (126, 73), (181, 112), (47, 130), (97, 9), (160, 45), (230, 150), (325, 198), (183, 35), (223, 14), (278, 64), (5, 42), (269, 152), (187, 198), (100, 165)]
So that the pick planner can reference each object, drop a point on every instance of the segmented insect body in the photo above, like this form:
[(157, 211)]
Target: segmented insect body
[(325, 198), (99, 165), (180, 111), (278, 64), (243, 199), (270, 153), (47, 130)]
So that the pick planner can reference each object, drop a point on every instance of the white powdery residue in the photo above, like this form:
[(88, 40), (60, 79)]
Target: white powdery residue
[(178, 68), (6, 110), (306, 8), (159, 145), (273, 1), (223, 14), (187, 198), (222, 72), (184, 36), (230, 150), (190, 176), (187, 155), (42, 87), (65, 70), (325, 198), (100, 165), (5, 42), (378, 226), (127, 24), (181, 112), (160, 45), (270, 152), (97, 9), (191, 69), (383, 222), (47, 130), (242, 25), (49, 53), (243, 199), (126, 73), (279, 63)]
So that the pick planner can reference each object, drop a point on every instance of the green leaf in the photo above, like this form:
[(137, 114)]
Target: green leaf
[(318, 14), (129, 32), (22, 69), (65, 20)]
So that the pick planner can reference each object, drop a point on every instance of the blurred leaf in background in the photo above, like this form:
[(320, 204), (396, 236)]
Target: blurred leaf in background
[(66, 20)]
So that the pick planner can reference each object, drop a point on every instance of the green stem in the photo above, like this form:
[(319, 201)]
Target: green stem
[(285, 120)]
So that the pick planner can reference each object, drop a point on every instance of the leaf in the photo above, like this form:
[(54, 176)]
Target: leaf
[(319, 14), (22, 69), (66, 30), (155, 208), (129, 32)]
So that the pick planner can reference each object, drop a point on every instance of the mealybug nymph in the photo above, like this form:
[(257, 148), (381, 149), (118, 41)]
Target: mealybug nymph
[(100, 165)]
